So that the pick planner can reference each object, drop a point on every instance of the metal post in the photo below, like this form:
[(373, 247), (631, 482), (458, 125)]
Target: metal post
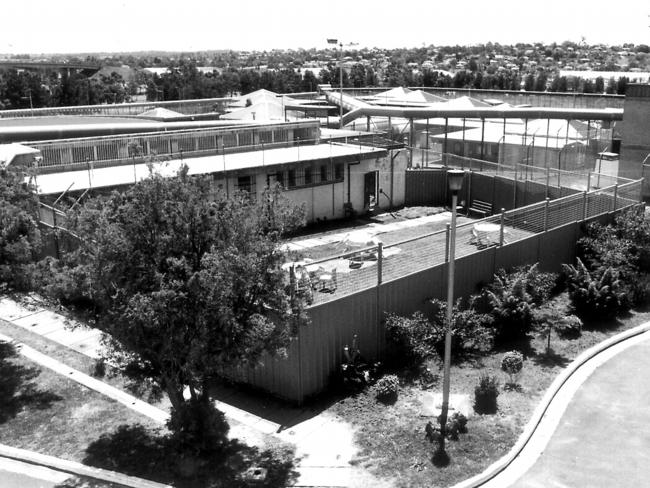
[(546, 206), (341, 87), (450, 308), (501, 230), (588, 180), (482, 136), (444, 149), (447, 243), (615, 194), (464, 152), (584, 205), (548, 177), (380, 254)]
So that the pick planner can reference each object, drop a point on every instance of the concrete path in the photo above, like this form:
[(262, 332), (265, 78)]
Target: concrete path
[(324, 445)]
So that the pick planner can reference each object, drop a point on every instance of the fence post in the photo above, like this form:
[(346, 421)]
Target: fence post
[(546, 204), (548, 178), (447, 243), (615, 195), (584, 205), (503, 218), (588, 180), (380, 257)]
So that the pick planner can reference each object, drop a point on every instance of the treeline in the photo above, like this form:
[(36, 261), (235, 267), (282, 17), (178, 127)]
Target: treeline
[(19, 90), (185, 81)]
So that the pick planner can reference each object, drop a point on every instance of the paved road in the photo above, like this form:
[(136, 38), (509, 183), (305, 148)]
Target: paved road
[(603, 438)]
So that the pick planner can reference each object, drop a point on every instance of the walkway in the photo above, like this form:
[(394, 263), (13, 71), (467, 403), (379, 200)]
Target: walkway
[(323, 444), (595, 414)]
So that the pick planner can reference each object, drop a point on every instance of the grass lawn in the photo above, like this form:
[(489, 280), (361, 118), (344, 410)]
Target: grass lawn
[(48, 413), (391, 438), (63, 418)]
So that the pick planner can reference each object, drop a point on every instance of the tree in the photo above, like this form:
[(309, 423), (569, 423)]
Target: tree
[(529, 82), (185, 283), (20, 238)]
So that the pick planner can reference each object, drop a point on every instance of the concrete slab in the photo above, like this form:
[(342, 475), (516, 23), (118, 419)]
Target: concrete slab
[(324, 476), (432, 404)]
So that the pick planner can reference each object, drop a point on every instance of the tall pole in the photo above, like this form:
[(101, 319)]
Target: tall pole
[(341, 86), (455, 181), (450, 306)]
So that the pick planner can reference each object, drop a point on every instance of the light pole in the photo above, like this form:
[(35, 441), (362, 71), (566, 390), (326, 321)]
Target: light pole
[(455, 182)]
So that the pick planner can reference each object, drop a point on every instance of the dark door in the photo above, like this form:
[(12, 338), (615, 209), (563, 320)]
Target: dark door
[(370, 189)]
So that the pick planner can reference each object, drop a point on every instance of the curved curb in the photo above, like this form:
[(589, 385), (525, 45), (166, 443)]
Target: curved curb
[(74, 468), (502, 464)]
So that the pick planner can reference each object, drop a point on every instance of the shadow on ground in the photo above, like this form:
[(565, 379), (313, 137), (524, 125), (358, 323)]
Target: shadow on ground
[(17, 391), (137, 451)]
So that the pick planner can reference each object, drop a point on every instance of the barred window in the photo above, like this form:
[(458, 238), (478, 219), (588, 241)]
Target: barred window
[(308, 177), (323, 173), (291, 177), (246, 183), (338, 171)]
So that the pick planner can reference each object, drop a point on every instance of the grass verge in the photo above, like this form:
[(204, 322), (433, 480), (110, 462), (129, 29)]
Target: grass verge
[(391, 437)]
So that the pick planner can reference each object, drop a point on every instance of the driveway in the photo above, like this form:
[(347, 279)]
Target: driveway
[(603, 438)]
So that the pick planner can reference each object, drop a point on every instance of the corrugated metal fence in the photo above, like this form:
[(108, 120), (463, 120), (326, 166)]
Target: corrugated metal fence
[(544, 232)]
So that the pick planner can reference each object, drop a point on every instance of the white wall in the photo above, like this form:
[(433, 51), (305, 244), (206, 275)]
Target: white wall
[(326, 202)]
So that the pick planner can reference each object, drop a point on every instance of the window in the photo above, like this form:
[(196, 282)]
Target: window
[(308, 178), (279, 177), (245, 183), (338, 171), (323, 173), (291, 177)]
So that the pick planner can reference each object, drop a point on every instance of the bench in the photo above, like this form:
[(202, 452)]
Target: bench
[(480, 207)]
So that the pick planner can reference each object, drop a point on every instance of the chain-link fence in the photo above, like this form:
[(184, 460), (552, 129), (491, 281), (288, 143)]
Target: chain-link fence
[(339, 275)]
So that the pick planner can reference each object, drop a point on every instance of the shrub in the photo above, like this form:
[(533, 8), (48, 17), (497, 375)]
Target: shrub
[(456, 424), (537, 284), (419, 339), (569, 327), (512, 363), (510, 307), (413, 336), (387, 387), (485, 394), (594, 297)]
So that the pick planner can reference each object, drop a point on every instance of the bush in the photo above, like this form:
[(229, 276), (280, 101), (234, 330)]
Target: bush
[(537, 284), (413, 336), (485, 394), (594, 297), (419, 339), (387, 387), (512, 363), (569, 327), (456, 424), (510, 307)]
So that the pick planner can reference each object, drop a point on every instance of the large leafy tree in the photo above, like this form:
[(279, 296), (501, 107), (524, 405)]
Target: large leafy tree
[(185, 281), (20, 239)]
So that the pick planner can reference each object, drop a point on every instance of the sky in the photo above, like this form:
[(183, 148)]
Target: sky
[(85, 26)]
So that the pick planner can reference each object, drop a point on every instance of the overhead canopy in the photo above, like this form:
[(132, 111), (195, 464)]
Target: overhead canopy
[(15, 154), (160, 113)]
